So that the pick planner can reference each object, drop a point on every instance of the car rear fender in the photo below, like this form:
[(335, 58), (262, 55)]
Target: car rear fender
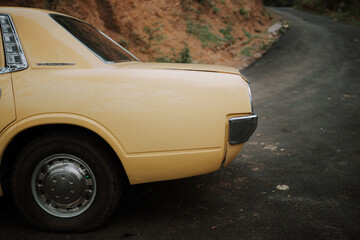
[(58, 118)]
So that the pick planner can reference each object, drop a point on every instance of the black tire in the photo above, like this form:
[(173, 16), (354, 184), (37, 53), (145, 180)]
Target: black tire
[(43, 174)]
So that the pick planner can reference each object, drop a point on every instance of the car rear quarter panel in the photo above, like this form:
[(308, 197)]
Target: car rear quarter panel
[(168, 123)]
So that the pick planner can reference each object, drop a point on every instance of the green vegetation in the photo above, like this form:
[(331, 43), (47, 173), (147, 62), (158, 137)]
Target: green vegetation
[(124, 43), (344, 17), (247, 51), (343, 10), (202, 30), (183, 57), (227, 33), (249, 37), (270, 17), (153, 37), (247, 34), (245, 13), (265, 46)]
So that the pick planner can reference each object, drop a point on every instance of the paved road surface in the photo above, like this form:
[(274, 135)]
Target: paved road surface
[(307, 94)]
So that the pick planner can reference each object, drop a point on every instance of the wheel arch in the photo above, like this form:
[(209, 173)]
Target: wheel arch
[(15, 137)]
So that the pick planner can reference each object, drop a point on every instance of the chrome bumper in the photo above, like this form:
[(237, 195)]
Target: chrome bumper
[(241, 128)]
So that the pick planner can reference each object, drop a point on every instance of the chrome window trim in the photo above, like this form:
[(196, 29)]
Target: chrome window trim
[(16, 66), (250, 96), (112, 40)]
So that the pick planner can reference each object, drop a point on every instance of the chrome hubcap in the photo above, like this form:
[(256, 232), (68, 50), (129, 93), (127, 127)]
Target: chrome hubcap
[(63, 185)]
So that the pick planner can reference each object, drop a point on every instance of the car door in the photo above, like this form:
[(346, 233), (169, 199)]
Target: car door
[(7, 105)]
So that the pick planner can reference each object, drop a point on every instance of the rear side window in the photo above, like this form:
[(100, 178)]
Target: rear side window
[(96, 41)]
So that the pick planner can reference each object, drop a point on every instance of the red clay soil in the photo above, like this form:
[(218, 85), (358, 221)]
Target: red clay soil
[(167, 24)]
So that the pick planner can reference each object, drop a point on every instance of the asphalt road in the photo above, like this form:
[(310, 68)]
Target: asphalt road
[(307, 94)]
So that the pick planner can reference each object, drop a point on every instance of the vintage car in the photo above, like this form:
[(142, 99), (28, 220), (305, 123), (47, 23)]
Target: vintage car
[(81, 116)]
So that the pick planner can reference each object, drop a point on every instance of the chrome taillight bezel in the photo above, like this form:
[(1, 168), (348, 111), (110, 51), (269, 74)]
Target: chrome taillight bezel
[(14, 55)]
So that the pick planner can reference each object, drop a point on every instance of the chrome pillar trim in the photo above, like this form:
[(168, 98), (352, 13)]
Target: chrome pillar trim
[(241, 128), (250, 96), (97, 55), (14, 54), (112, 40)]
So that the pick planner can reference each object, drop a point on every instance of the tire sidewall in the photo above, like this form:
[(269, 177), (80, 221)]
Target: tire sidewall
[(106, 182)]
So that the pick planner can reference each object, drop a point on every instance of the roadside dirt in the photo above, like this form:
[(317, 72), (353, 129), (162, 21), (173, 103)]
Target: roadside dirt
[(232, 32)]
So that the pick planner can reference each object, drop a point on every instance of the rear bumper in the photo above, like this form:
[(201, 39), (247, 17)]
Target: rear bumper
[(241, 128)]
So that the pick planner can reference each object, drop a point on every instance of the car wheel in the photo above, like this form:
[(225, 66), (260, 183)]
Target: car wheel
[(65, 181)]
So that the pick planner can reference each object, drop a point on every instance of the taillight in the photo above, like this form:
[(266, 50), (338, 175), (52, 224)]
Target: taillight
[(14, 55)]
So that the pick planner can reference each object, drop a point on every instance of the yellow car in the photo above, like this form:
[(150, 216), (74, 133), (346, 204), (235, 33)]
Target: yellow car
[(80, 116)]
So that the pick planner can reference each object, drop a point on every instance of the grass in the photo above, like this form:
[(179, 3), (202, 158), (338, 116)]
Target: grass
[(247, 51), (249, 37), (203, 32), (227, 33), (152, 38), (245, 13), (183, 57)]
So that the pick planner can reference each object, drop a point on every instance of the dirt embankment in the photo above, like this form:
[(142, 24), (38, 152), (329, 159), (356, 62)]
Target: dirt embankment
[(226, 32)]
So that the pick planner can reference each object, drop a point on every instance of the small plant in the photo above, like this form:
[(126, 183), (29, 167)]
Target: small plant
[(165, 59), (264, 46), (186, 5), (184, 56), (226, 19), (247, 51), (269, 15), (210, 4), (245, 13), (153, 37), (124, 43), (249, 37), (202, 31), (216, 10), (247, 34), (227, 33)]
